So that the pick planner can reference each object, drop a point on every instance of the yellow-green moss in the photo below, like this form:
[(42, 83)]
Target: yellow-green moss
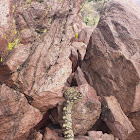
[(1, 60)]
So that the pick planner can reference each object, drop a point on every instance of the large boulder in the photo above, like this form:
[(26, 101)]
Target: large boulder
[(112, 61), (17, 117), (115, 118), (38, 57)]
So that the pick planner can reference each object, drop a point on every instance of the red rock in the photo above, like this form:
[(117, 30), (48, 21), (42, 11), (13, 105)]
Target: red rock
[(115, 118), (112, 56), (17, 116), (85, 34), (81, 47), (135, 119), (95, 134), (107, 137), (50, 135), (42, 66), (82, 138), (39, 136)]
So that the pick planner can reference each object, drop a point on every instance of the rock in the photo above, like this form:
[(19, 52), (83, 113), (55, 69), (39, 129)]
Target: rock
[(135, 119), (79, 77), (82, 138), (17, 116), (112, 59), (95, 134), (39, 136), (115, 118), (6, 26), (81, 47), (107, 137), (134, 136), (85, 34), (84, 114), (34, 135), (51, 135), (26, 36), (40, 61), (6, 13)]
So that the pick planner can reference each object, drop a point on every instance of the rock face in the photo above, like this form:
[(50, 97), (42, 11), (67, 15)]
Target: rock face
[(112, 61), (115, 119), (17, 117)]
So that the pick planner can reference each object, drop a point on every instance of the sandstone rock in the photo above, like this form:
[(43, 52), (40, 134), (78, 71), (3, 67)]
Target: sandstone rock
[(84, 114), (112, 59), (17, 117), (115, 119)]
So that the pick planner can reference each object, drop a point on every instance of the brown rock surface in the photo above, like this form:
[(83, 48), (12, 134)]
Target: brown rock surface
[(115, 119), (135, 119), (112, 59), (95, 134), (85, 34), (50, 135), (17, 117)]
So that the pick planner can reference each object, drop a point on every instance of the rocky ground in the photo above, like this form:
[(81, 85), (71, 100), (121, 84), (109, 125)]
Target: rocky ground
[(45, 48)]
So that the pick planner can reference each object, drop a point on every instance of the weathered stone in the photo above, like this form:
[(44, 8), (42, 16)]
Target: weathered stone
[(107, 137), (135, 119), (17, 117), (40, 61), (134, 136), (85, 34), (112, 59), (115, 119), (81, 47), (82, 138), (51, 135), (39, 136), (79, 77), (95, 134), (34, 135), (6, 26)]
